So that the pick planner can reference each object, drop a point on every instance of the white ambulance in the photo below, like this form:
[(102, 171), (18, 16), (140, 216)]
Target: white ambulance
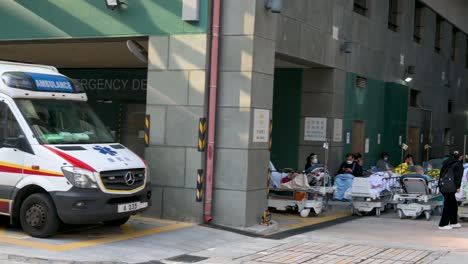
[(58, 162)]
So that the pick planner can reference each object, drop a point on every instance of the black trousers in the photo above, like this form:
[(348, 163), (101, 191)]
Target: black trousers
[(450, 213)]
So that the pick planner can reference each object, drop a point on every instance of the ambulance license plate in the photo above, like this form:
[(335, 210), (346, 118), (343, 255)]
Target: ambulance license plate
[(122, 208)]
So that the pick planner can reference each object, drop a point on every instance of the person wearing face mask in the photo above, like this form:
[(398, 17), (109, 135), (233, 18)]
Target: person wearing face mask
[(312, 163), (350, 166), (383, 163)]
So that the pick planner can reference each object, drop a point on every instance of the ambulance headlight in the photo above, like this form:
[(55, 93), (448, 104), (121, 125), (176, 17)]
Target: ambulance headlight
[(80, 178)]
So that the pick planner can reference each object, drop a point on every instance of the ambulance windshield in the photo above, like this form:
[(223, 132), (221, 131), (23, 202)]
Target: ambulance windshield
[(63, 122)]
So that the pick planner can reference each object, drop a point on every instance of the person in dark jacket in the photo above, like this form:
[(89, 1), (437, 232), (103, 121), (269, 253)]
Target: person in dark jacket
[(383, 163), (312, 163), (449, 217), (350, 166)]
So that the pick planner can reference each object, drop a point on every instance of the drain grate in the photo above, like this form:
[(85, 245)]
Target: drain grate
[(187, 258)]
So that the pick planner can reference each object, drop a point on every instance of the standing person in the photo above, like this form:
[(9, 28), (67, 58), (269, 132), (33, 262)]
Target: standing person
[(449, 184), (383, 163), (350, 166)]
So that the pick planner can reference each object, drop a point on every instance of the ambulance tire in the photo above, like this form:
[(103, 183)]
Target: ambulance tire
[(117, 222), (38, 216)]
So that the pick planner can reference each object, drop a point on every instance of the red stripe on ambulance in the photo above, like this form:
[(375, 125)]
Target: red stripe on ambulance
[(72, 160)]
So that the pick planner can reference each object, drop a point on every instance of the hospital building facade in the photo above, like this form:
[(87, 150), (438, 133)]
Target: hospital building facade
[(292, 77)]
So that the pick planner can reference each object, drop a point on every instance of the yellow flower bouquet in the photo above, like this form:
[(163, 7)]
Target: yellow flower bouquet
[(434, 173), (401, 169)]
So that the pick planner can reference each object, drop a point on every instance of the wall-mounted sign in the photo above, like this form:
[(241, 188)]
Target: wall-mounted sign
[(378, 139), (315, 129), (335, 32), (337, 130), (348, 137), (400, 140), (366, 148), (261, 125)]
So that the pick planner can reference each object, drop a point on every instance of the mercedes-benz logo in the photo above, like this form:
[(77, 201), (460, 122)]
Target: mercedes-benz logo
[(129, 178)]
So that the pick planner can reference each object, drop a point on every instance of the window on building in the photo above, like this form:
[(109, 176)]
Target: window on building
[(393, 15), (438, 36), (447, 135), (414, 95), (361, 82), (360, 7), (453, 52), (450, 106), (418, 22)]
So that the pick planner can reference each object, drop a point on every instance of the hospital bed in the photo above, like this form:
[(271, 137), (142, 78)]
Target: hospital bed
[(298, 195), (372, 193), (419, 197)]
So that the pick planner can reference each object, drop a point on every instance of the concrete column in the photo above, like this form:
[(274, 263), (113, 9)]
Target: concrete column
[(323, 96), (176, 100), (246, 84)]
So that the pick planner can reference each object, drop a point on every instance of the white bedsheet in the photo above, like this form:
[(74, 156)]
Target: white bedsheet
[(382, 181), (462, 194), (276, 177)]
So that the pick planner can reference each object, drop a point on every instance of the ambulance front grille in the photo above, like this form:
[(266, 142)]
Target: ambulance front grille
[(121, 179)]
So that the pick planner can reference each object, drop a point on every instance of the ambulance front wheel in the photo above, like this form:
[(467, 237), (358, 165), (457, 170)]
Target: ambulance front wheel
[(38, 216)]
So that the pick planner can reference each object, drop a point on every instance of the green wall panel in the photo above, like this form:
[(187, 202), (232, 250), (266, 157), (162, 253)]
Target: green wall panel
[(49, 19), (383, 108), (286, 117), (396, 106)]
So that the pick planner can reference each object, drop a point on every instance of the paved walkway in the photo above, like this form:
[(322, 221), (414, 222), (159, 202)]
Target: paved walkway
[(364, 240)]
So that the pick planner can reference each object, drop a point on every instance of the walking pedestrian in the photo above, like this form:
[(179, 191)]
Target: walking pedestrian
[(449, 184)]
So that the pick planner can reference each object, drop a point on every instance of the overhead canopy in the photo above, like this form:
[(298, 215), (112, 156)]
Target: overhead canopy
[(95, 53)]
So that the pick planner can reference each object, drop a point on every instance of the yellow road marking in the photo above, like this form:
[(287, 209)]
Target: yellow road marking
[(127, 228), (154, 220), (315, 220), (94, 242)]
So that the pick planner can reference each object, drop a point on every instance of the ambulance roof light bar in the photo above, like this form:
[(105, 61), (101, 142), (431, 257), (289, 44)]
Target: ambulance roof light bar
[(41, 82), (18, 80)]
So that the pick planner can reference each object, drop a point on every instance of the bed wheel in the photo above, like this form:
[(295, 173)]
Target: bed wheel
[(427, 214), (377, 211), (305, 212), (400, 214)]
